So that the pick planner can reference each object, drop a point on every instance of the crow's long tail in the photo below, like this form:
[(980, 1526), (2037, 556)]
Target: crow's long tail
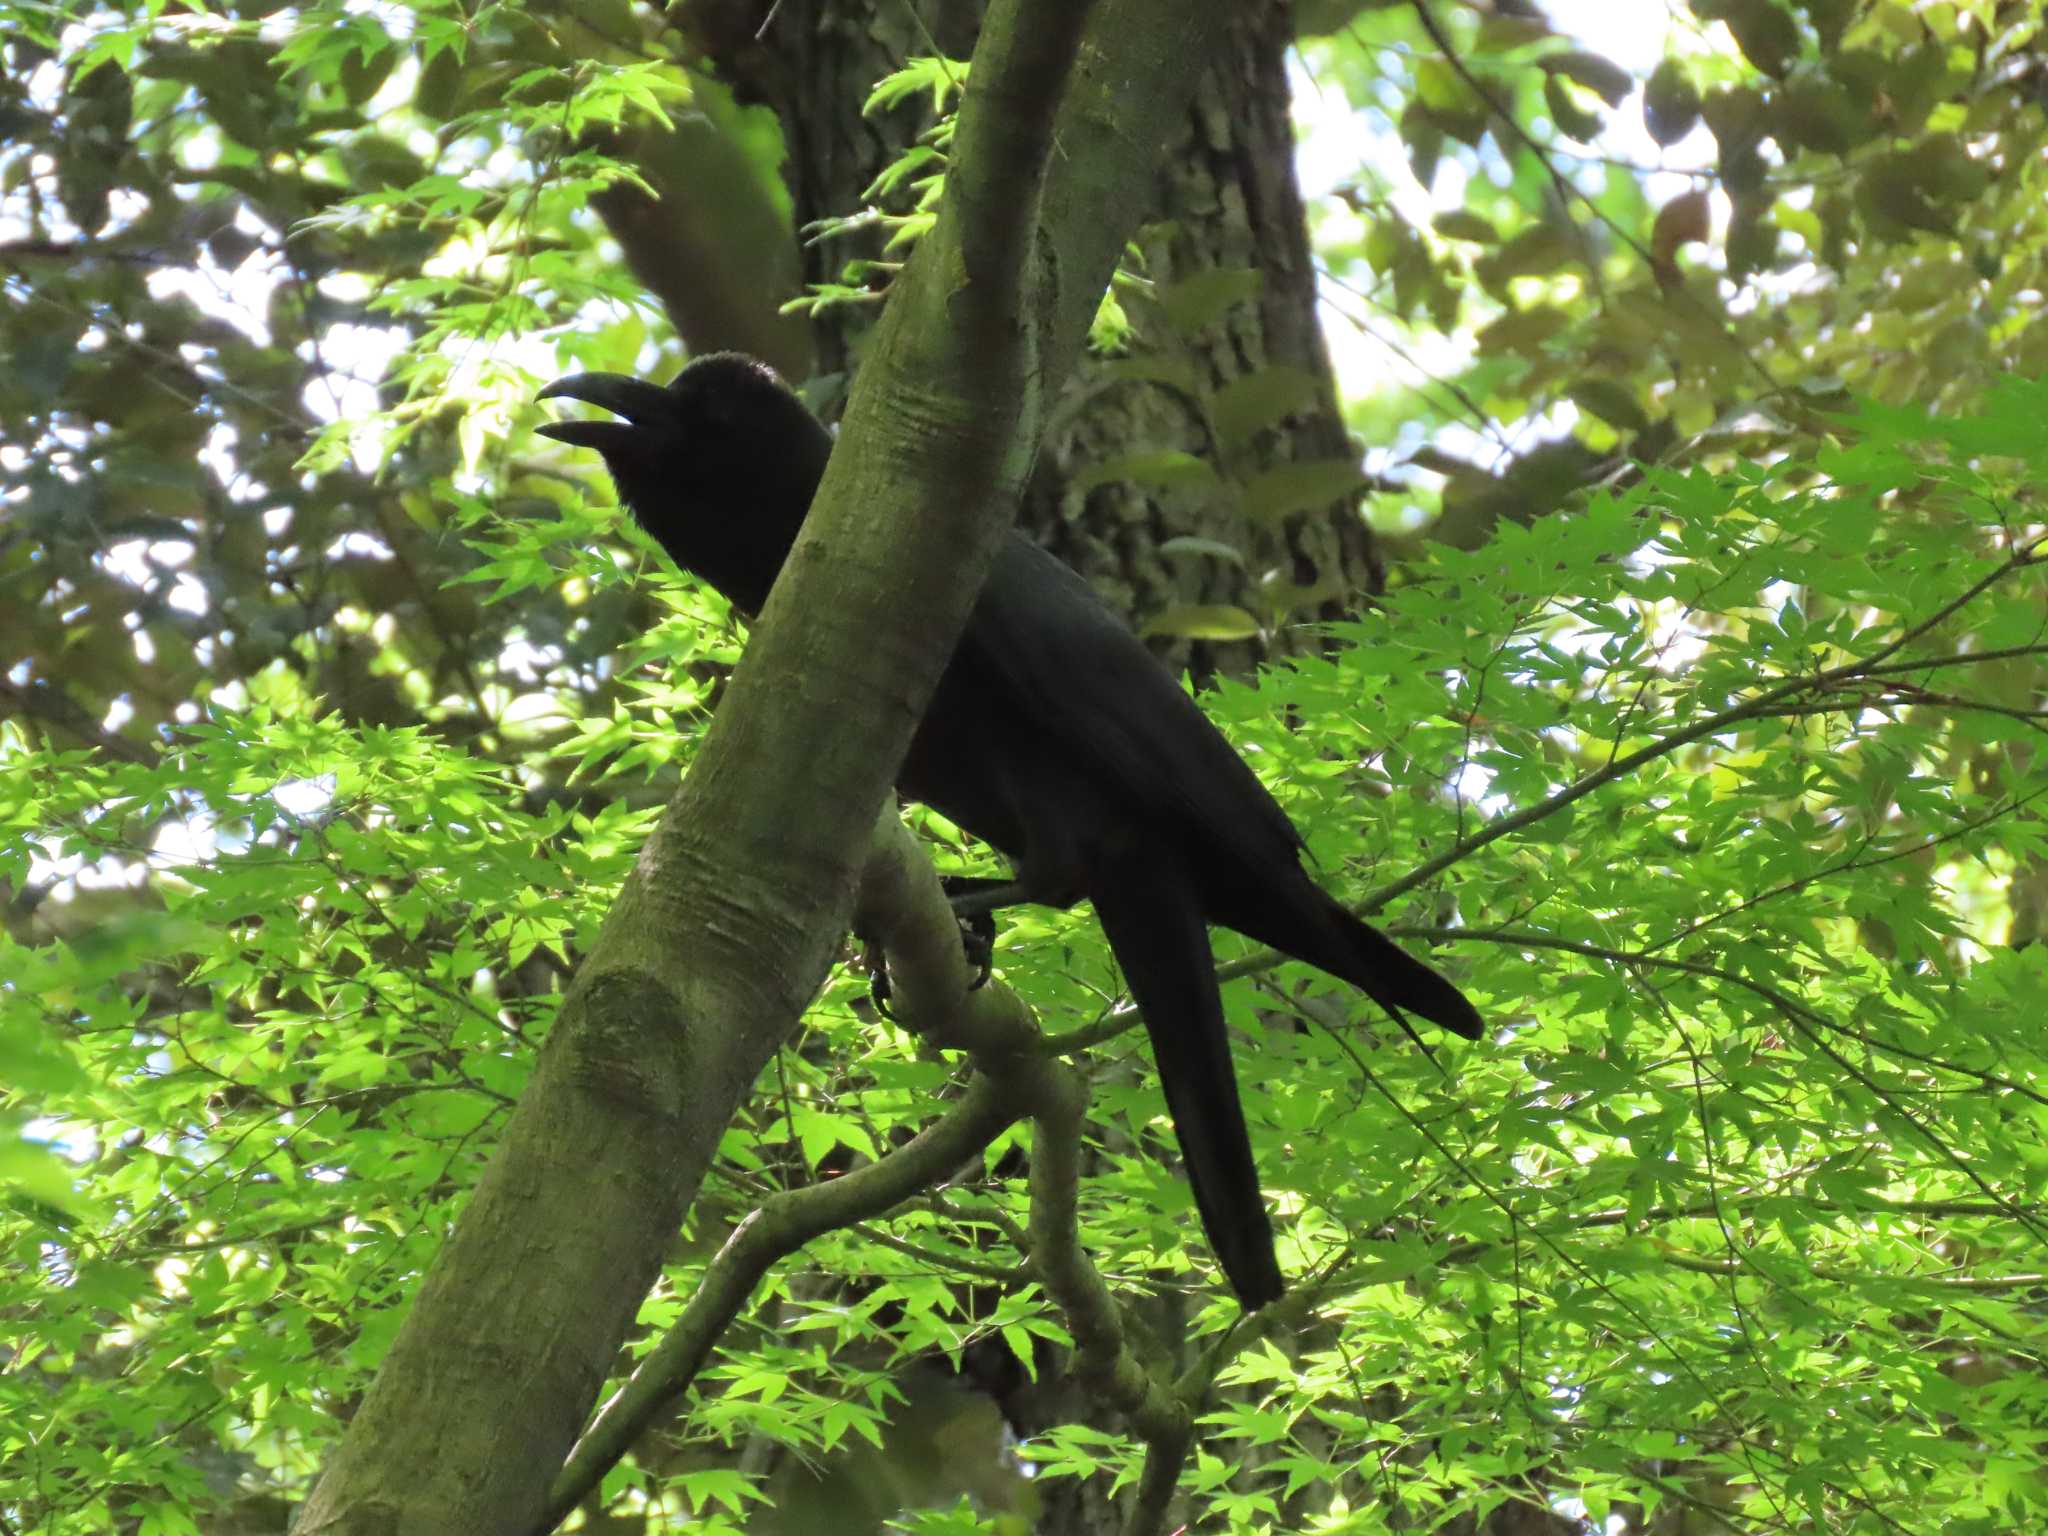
[(1151, 911)]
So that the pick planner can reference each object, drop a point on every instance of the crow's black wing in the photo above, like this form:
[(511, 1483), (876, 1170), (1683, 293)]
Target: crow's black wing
[(1079, 677), (1099, 712)]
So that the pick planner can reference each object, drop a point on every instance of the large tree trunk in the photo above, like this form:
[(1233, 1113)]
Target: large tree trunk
[(1226, 203)]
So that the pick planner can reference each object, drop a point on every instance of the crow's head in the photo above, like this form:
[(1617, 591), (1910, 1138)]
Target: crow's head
[(720, 466)]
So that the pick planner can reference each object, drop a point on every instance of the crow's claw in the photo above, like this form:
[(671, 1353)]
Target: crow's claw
[(880, 990), (978, 939)]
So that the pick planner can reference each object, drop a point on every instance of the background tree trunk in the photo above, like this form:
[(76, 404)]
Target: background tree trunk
[(1226, 219)]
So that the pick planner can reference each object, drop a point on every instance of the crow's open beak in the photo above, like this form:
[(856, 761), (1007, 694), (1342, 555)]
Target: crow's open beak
[(641, 403)]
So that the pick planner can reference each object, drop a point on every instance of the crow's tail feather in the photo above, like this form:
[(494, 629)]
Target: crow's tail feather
[(1151, 911), (1389, 975), (1300, 918)]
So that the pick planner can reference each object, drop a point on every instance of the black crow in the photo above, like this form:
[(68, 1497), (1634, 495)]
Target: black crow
[(1055, 736)]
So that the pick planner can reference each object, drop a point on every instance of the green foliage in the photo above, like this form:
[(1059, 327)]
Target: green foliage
[(283, 1070), (1723, 781), (1865, 173), (335, 716), (917, 178)]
